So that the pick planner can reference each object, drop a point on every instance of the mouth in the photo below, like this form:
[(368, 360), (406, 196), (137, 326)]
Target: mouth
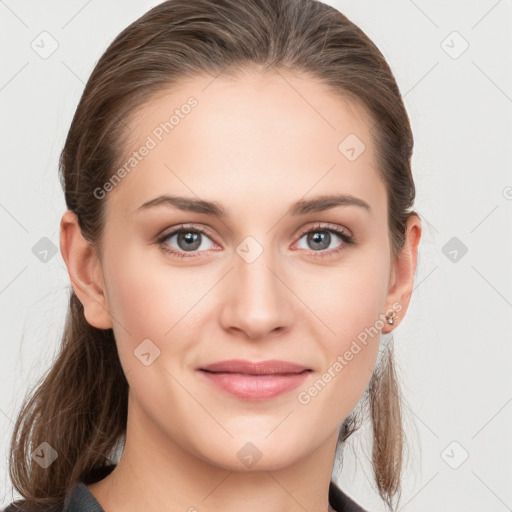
[(270, 367), (255, 381)]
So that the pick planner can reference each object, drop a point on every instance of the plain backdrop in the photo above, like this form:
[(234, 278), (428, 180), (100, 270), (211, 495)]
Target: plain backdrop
[(453, 64)]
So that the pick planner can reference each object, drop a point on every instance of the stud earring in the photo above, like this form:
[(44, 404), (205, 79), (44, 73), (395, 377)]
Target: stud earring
[(391, 318)]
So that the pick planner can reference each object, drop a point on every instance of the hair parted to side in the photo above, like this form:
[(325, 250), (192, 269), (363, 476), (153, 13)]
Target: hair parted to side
[(80, 406)]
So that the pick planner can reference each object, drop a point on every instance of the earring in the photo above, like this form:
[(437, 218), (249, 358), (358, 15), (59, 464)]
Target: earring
[(391, 318)]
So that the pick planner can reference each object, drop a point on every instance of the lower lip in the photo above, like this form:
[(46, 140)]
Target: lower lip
[(255, 387)]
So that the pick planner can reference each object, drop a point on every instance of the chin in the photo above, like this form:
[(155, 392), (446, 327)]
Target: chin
[(247, 456)]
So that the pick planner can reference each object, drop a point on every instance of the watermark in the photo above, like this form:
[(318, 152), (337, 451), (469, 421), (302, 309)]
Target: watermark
[(146, 352), (304, 397), (454, 249), (454, 44), (351, 147), (151, 142), (44, 45), (455, 455), (44, 455), (249, 454)]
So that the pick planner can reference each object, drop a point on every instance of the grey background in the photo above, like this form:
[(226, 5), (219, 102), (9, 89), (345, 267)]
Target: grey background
[(454, 346)]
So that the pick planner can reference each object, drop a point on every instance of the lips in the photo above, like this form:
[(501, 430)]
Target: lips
[(255, 381)]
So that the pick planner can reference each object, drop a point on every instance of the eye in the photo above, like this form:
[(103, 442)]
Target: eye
[(320, 237), (191, 240), (187, 239)]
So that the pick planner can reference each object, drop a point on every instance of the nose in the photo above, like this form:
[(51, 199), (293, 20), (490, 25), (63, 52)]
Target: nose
[(256, 300)]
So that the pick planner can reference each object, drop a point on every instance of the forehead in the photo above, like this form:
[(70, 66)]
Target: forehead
[(277, 136)]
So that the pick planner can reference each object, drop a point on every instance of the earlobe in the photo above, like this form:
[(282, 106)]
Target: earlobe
[(404, 267), (85, 273)]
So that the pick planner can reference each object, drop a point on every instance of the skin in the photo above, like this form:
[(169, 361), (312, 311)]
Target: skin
[(254, 145)]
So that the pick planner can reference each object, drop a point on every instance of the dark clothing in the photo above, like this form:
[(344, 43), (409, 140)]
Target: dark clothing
[(80, 499)]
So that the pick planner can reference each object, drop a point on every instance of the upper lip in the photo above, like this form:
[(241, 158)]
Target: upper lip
[(272, 366)]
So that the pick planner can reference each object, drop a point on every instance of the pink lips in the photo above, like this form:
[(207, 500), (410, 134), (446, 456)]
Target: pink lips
[(255, 381)]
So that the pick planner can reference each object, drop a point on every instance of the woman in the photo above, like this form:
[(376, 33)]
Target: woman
[(239, 234)]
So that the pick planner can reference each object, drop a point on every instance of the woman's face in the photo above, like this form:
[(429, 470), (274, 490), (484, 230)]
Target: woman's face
[(265, 281)]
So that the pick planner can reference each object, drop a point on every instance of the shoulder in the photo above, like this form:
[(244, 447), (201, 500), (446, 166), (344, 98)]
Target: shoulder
[(19, 506), (13, 507), (79, 498), (341, 502)]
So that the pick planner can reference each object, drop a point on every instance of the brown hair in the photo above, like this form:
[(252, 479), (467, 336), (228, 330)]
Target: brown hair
[(79, 407)]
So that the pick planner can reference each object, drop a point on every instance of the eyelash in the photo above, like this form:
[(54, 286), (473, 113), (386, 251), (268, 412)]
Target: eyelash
[(347, 239)]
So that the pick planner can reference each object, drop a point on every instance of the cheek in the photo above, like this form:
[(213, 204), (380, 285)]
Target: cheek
[(151, 300), (348, 298), (349, 303)]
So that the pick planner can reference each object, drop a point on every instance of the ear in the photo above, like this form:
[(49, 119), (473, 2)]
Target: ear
[(402, 277), (85, 272)]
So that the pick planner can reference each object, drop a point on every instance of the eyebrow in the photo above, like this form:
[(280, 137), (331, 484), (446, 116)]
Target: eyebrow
[(301, 207)]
